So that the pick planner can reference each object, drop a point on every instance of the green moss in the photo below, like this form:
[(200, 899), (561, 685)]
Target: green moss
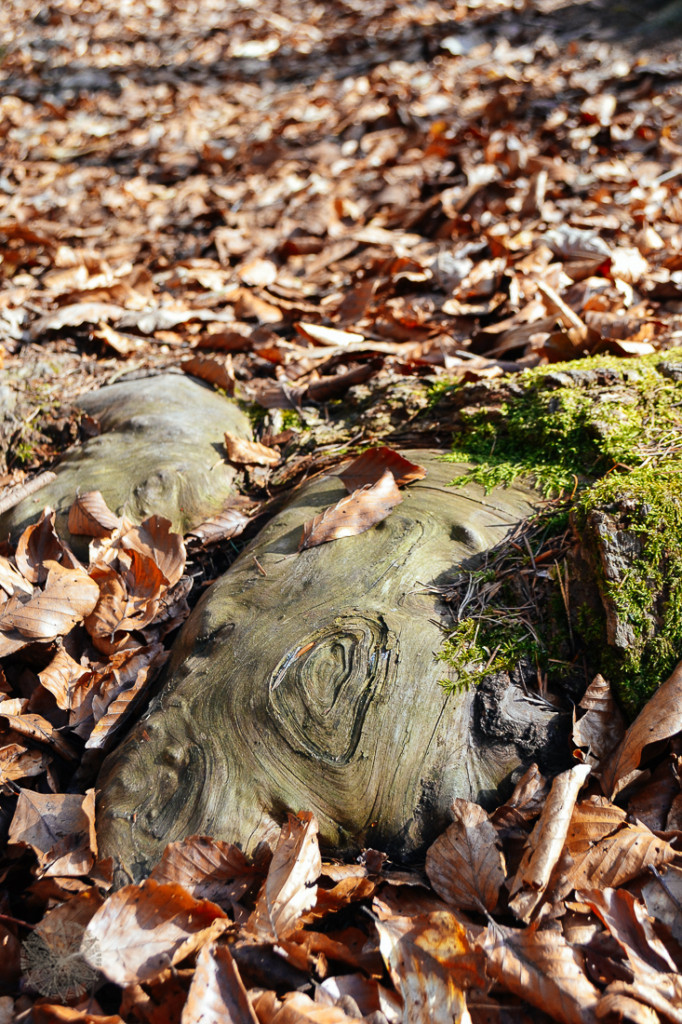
[(481, 646), (645, 593), (291, 420), (560, 431), (607, 434)]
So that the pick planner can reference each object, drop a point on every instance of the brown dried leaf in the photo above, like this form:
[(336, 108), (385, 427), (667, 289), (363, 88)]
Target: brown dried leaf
[(465, 865), (59, 828), (228, 523), (329, 335), (350, 516), (663, 899), (11, 581), (155, 539), (128, 599), (607, 851), (525, 803), (369, 467), (427, 986), (632, 928), (546, 841), (141, 929), (660, 719), (17, 762), (69, 596), (425, 920), (298, 1008), (38, 546), (90, 516), (249, 453), (208, 869), (141, 668), (217, 992), (52, 1013), (290, 886), (601, 728), (61, 677), (36, 728), (540, 967), (616, 1005), (213, 369)]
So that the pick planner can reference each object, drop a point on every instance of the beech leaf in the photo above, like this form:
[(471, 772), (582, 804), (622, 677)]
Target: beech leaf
[(369, 468), (290, 886), (141, 928), (69, 596), (465, 865), (59, 828), (209, 869), (298, 1008), (90, 516), (39, 545), (249, 453), (659, 719), (546, 841), (421, 955), (541, 967), (601, 728), (217, 991), (350, 516)]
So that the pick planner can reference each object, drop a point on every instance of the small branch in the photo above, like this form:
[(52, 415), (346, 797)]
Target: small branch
[(22, 491)]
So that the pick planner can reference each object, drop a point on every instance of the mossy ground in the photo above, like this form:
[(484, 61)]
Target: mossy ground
[(595, 434)]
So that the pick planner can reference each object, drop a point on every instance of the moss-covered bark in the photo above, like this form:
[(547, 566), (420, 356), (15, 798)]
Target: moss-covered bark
[(608, 433)]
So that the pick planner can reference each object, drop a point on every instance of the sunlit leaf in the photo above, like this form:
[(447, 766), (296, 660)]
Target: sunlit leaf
[(660, 719), (465, 864), (217, 992), (59, 828), (541, 967), (137, 933), (249, 453), (90, 516), (290, 886), (350, 516), (207, 868)]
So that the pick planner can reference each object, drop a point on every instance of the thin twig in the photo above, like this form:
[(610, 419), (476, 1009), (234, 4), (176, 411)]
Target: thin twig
[(22, 491)]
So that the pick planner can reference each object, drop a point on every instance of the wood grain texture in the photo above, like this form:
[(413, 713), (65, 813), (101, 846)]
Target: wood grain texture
[(314, 687), (160, 451)]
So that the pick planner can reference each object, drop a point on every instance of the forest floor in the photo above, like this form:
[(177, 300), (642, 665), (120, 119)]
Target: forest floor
[(286, 199)]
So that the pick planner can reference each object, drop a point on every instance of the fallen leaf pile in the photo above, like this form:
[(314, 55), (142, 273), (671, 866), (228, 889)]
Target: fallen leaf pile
[(291, 201), (559, 899)]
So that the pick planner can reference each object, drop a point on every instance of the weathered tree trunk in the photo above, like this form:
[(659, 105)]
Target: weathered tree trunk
[(307, 680), (159, 451)]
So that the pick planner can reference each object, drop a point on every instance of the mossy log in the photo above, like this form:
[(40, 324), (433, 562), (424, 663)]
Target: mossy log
[(160, 451), (307, 680)]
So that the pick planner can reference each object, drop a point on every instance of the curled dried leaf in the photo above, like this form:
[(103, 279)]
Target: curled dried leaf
[(369, 467), (290, 887), (249, 453), (465, 865), (39, 546), (90, 516), (350, 516)]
